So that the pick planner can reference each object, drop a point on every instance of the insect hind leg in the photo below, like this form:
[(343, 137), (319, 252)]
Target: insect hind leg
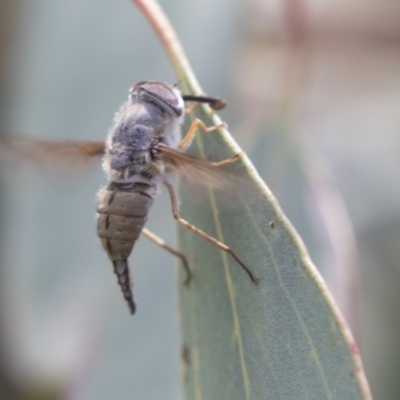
[(160, 242), (121, 269), (228, 160), (204, 235)]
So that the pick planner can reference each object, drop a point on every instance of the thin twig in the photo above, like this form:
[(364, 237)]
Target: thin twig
[(166, 33)]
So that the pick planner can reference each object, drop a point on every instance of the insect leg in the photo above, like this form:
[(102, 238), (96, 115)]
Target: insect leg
[(204, 235), (197, 123), (228, 160), (157, 240), (190, 109)]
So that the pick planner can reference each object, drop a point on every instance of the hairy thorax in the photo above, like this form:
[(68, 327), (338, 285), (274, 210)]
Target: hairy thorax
[(136, 129)]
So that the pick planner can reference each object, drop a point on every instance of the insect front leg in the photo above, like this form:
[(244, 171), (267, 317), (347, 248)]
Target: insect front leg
[(197, 123), (212, 240), (190, 109), (160, 242)]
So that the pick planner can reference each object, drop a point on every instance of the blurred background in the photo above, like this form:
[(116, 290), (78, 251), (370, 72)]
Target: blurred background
[(314, 92)]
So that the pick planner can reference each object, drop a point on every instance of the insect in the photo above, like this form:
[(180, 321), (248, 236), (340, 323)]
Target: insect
[(142, 147)]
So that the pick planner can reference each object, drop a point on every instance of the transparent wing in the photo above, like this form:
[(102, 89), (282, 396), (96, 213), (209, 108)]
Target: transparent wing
[(50, 155), (197, 169)]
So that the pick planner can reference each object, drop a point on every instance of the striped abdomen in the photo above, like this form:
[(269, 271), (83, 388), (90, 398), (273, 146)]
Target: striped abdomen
[(121, 214)]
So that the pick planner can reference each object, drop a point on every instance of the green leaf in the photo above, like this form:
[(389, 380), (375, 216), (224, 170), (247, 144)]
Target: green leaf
[(282, 339)]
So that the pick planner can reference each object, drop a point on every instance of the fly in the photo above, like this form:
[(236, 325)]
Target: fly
[(142, 147)]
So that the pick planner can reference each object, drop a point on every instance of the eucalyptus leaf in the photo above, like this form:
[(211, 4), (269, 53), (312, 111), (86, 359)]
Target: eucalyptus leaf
[(281, 339)]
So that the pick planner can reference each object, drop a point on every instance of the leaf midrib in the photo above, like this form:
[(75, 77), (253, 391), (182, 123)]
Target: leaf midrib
[(230, 286)]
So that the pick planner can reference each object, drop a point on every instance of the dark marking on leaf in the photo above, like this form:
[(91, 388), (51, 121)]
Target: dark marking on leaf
[(186, 355), (272, 225)]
